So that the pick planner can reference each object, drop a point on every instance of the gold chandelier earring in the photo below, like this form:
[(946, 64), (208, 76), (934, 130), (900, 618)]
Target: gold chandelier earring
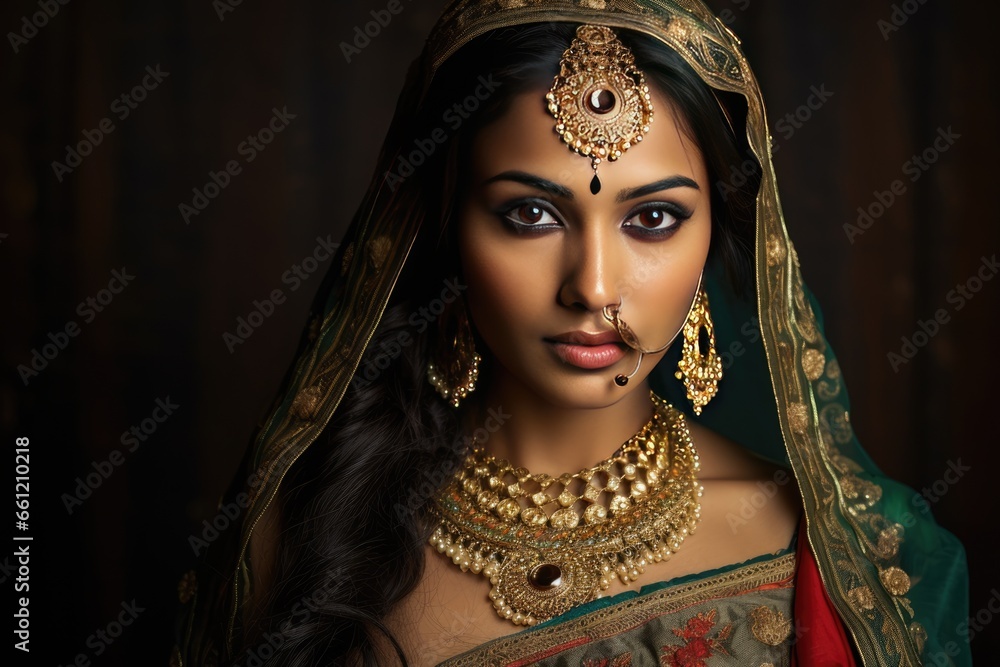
[(454, 367), (700, 371)]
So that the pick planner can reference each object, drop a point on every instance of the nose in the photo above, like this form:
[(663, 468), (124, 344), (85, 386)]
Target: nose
[(593, 262)]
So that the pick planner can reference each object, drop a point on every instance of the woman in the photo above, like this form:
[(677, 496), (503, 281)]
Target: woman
[(572, 252)]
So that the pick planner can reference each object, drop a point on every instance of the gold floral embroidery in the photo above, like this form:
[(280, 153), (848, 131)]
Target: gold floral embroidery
[(813, 363), (378, 248), (776, 251), (770, 625), (895, 580), (888, 541), (862, 490), (306, 402), (862, 597), (798, 417)]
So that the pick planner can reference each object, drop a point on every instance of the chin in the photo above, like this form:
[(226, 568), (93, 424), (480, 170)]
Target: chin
[(583, 391)]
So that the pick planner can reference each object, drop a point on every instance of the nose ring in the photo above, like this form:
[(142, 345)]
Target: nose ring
[(612, 313)]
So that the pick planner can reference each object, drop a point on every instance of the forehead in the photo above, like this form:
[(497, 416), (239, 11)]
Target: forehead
[(524, 138)]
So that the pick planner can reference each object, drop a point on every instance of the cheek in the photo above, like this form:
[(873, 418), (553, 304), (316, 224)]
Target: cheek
[(497, 284), (662, 285)]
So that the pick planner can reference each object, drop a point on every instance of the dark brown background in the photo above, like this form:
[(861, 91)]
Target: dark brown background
[(163, 335)]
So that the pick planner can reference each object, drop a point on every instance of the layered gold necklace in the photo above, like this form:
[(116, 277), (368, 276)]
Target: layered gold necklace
[(548, 544)]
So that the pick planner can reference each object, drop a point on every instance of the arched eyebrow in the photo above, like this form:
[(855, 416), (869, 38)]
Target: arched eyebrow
[(658, 186), (562, 191), (533, 181)]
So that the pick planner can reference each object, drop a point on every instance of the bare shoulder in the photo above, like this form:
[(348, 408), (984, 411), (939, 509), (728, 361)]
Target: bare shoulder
[(750, 506)]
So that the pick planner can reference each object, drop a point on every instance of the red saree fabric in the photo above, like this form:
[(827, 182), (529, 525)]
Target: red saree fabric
[(822, 640)]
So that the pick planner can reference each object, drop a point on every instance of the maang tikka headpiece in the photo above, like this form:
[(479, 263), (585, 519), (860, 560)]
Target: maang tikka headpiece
[(599, 99)]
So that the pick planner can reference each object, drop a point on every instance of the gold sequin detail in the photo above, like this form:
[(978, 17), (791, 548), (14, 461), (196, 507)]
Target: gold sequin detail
[(175, 657)]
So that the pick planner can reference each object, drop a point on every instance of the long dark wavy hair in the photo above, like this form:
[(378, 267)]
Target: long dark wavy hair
[(353, 534)]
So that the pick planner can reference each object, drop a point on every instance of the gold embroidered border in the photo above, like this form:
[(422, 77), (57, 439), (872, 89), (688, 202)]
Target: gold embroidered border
[(632, 612)]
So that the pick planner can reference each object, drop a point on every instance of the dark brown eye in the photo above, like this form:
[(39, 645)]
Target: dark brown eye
[(652, 218), (657, 219), (530, 213)]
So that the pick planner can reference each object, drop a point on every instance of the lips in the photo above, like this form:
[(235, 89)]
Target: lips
[(584, 338), (590, 351)]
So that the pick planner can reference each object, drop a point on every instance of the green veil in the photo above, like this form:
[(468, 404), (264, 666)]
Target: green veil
[(898, 581)]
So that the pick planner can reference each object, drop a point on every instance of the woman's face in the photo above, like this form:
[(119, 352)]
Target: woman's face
[(542, 256)]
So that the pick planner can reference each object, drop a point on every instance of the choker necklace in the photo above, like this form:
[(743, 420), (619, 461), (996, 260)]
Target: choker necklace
[(612, 520)]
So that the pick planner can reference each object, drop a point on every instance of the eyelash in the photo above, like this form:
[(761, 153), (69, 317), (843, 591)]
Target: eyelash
[(677, 212)]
